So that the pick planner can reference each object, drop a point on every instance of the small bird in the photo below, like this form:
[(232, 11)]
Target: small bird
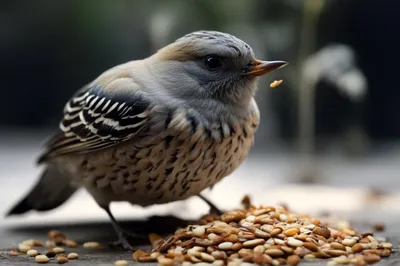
[(156, 130)]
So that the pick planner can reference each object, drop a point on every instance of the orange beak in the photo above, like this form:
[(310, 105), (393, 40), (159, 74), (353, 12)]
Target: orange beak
[(260, 68)]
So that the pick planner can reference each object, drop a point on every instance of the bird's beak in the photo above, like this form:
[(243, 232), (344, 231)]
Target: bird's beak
[(259, 68)]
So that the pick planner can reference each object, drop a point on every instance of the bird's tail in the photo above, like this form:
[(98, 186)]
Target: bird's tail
[(52, 190)]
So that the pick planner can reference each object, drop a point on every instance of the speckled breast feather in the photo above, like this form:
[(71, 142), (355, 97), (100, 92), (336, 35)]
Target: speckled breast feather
[(170, 166)]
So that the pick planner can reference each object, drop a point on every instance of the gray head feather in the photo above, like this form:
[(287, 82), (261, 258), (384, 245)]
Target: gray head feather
[(226, 44), (186, 76)]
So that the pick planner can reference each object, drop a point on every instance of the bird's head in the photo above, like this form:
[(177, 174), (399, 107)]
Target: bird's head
[(213, 65)]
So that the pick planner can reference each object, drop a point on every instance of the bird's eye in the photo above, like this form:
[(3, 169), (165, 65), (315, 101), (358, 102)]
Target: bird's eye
[(213, 62)]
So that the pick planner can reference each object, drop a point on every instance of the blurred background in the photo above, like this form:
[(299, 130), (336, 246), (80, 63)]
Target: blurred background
[(329, 135)]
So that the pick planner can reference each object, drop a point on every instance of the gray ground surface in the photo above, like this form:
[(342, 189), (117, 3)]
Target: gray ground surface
[(83, 232), (343, 188), (103, 232)]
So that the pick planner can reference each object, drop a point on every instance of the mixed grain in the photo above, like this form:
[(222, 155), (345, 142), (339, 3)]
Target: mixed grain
[(264, 235)]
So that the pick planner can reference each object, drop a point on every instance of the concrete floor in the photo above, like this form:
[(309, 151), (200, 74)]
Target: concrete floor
[(102, 232), (344, 187)]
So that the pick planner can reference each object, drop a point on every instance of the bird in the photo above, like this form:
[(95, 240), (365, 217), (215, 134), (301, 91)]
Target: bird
[(156, 130)]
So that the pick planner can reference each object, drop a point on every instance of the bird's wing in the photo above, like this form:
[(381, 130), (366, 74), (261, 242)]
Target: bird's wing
[(97, 117)]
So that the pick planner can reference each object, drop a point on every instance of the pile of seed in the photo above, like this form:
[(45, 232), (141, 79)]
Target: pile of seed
[(264, 236), (54, 249)]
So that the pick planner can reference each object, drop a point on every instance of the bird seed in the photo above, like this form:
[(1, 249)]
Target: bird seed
[(379, 227), (23, 248), (264, 235), (92, 245), (62, 259), (276, 83), (70, 243), (32, 243), (58, 250), (121, 263), (42, 259), (32, 253), (50, 244), (72, 256), (14, 253)]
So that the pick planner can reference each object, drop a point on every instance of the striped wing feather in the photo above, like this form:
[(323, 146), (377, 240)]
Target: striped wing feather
[(94, 119)]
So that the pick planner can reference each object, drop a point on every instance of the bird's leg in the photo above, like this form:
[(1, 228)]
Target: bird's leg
[(213, 209), (122, 241)]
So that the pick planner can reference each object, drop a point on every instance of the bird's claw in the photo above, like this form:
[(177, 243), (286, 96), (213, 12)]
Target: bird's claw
[(123, 240), (122, 243)]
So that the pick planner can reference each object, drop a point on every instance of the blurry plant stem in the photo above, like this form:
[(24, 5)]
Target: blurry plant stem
[(306, 96)]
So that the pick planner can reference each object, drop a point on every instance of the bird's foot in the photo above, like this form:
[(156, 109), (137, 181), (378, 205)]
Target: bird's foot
[(122, 235), (122, 242)]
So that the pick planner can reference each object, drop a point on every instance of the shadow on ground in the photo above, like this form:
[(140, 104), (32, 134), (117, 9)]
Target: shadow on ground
[(103, 231)]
